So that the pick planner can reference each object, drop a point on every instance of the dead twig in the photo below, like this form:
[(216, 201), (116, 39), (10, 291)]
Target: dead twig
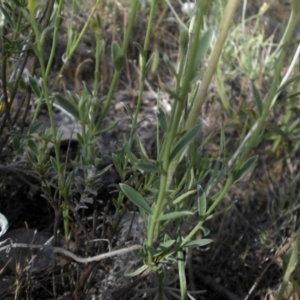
[(71, 255)]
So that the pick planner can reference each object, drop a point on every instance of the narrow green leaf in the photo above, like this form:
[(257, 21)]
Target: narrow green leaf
[(109, 127), (220, 80), (147, 167), (16, 133), (83, 110), (289, 81), (67, 106), (162, 121), (59, 134), (137, 272), (204, 230), (185, 141), (132, 158), (136, 198), (87, 90), (35, 86), (70, 179), (32, 158), (117, 163), (140, 48), (74, 98), (204, 43), (163, 247), (182, 197), (294, 126), (155, 60), (36, 128), (102, 171), (124, 151), (128, 110), (33, 147), (54, 163), (143, 150), (257, 98), (170, 65), (97, 21), (198, 243), (202, 202), (175, 215), (149, 62), (245, 168), (46, 32), (184, 37), (118, 57), (101, 48), (80, 139)]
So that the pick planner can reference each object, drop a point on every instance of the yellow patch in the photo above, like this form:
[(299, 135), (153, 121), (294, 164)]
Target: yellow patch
[(2, 105)]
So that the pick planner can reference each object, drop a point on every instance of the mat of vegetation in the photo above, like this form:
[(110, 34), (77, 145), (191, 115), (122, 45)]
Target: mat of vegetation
[(149, 149)]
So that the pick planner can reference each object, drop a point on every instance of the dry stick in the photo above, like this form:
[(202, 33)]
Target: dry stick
[(278, 253), (74, 257), (78, 69)]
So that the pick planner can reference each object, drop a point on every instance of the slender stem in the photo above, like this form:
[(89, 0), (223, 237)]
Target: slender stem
[(74, 45), (212, 66), (54, 40), (143, 75), (142, 82), (165, 178), (63, 192), (117, 73), (97, 62)]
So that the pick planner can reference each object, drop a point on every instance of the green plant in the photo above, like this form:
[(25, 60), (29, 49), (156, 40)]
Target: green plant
[(181, 181)]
